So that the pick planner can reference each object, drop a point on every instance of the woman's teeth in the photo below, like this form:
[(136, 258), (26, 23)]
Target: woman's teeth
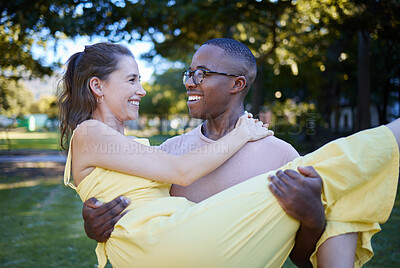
[(134, 103), (193, 98)]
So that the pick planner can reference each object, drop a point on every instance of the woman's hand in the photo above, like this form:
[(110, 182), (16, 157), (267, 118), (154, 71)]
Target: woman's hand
[(254, 128)]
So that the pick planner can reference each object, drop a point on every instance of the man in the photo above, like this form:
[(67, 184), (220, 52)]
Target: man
[(221, 74)]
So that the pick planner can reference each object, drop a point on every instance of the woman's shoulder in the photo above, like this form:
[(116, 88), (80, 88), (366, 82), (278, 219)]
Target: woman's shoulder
[(90, 128), (90, 124)]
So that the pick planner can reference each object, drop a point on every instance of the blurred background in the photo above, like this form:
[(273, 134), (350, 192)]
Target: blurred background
[(325, 69)]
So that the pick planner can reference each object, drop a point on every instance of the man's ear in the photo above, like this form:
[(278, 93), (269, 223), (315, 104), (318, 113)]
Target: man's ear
[(95, 86), (240, 84)]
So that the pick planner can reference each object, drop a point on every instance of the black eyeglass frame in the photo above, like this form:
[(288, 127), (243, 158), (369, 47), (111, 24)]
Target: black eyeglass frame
[(190, 74)]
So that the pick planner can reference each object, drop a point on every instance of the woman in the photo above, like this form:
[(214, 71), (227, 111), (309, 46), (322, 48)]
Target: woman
[(243, 225)]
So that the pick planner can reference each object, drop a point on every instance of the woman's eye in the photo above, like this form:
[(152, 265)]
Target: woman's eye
[(134, 79)]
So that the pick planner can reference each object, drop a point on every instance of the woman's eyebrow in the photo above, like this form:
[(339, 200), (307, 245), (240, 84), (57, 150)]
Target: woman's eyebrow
[(132, 75)]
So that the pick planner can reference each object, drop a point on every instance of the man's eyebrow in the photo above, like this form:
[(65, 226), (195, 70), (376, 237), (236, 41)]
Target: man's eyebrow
[(200, 67)]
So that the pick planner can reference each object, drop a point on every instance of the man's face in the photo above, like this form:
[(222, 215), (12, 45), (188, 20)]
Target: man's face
[(212, 97)]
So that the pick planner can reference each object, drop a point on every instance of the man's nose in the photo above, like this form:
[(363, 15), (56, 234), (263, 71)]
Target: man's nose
[(189, 82)]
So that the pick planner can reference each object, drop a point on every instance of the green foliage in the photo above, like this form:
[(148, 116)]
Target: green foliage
[(306, 48), (47, 104), (309, 47), (166, 95), (15, 99), (298, 123), (329, 42)]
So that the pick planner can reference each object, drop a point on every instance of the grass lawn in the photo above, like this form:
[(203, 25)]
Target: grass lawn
[(31, 140), (47, 140), (42, 227)]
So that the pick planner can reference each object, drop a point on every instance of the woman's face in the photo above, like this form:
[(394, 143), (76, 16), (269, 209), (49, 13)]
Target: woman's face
[(123, 91)]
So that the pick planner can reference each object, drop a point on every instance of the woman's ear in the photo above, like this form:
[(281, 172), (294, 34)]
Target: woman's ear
[(95, 86), (240, 84)]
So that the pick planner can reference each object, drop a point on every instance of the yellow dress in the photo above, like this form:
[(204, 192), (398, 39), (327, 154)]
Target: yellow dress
[(244, 226)]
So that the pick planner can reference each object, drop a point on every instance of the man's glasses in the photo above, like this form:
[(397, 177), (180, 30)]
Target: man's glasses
[(198, 75)]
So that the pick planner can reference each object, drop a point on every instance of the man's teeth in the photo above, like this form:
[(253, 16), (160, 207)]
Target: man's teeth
[(193, 98), (134, 103)]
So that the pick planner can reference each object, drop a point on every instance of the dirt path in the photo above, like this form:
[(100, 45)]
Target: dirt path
[(31, 170), (31, 164)]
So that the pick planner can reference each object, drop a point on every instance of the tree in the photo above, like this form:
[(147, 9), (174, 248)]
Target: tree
[(15, 99), (178, 27), (26, 23), (304, 48), (47, 104), (280, 33), (340, 23), (164, 96)]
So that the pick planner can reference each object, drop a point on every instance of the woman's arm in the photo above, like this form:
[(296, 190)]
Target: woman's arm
[(96, 144)]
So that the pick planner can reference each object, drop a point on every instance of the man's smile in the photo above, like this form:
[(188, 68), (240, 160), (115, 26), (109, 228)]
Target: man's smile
[(194, 98)]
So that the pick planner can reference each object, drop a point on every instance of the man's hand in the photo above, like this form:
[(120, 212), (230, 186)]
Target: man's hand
[(100, 219), (299, 195)]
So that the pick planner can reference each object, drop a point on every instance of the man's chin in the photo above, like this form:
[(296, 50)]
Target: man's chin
[(197, 115)]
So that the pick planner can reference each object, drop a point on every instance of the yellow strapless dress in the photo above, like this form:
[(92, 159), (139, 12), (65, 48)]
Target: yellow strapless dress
[(244, 226)]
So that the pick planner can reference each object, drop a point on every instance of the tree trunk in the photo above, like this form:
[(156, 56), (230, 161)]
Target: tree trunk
[(363, 119), (330, 95), (383, 116), (257, 94)]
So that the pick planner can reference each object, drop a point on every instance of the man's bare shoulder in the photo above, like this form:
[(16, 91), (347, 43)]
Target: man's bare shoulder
[(272, 141), (273, 146), (182, 143)]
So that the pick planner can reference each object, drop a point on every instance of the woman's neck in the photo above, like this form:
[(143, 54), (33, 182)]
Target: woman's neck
[(110, 121)]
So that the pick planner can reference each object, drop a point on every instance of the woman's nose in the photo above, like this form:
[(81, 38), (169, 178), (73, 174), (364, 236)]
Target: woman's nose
[(141, 92)]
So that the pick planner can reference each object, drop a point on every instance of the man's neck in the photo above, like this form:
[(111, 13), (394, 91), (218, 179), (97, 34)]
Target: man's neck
[(218, 127)]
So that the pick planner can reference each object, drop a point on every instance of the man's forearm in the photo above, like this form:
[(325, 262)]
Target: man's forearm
[(306, 239)]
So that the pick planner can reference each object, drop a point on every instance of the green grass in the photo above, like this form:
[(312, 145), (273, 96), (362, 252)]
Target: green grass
[(42, 227), (30, 140), (47, 140), (386, 243)]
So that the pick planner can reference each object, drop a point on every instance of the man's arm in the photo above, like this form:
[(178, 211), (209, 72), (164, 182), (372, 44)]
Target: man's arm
[(100, 219), (300, 197)]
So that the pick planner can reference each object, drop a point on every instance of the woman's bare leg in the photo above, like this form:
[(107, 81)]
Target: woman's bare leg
[(395, 128), (338, 251)]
